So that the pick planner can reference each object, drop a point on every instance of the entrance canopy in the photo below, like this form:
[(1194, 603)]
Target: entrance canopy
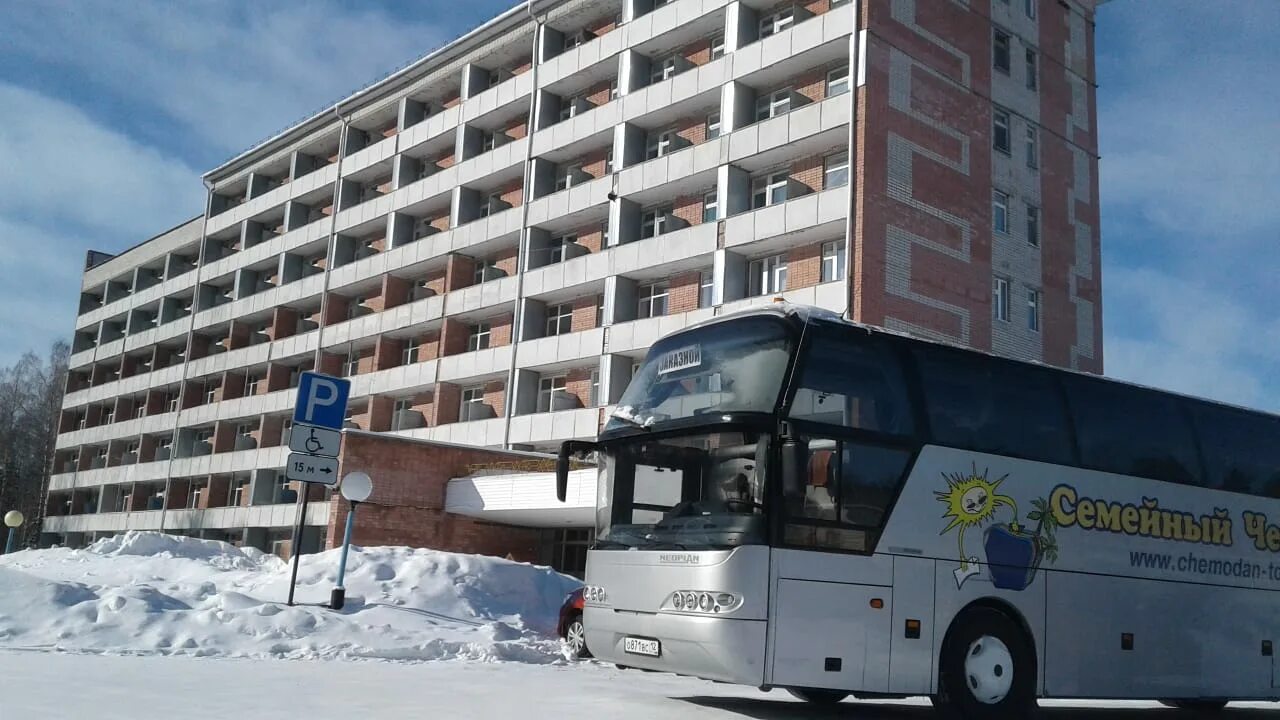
[(525, 499)]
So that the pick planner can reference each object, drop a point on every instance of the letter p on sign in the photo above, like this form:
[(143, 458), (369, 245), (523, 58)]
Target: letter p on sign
[(322, 400)]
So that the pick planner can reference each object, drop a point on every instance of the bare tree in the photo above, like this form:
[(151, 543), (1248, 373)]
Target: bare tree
[(30, 402)]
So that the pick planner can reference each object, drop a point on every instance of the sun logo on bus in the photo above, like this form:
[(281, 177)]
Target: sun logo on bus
[(971, 500)]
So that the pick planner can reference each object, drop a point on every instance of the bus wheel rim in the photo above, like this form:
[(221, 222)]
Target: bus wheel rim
[(988, 670)]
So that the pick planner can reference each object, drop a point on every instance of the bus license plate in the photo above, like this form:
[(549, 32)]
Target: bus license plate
[(642, 646)]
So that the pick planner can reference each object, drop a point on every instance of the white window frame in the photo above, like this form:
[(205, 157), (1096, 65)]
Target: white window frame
[(777, 21), (652, 300), (569, 107), (998, 35), (653, 222), (559, 319), (706, 289), (564, 176), (351, 366), (836, 165), (555, 251), (1000, 211), (711, 205), (472, 395), (170, 401), (481, 265), (833, 261), (768, 275), (251, 381), (837, 81), (608, 161), (595, 388), (479, 336), (1032, 61), (658, 144), (1000, 299), (1033, 147), (663, 69), (770, 189), (773, 104), (1002, 121), (411, 352), (210, 390), (139, 408), (547, 387), (1030, 8), (717, 46), (712, 128), (1033, 225), (1033, 309)]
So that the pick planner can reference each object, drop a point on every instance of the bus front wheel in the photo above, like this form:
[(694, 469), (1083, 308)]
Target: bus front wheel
[(987, 668)]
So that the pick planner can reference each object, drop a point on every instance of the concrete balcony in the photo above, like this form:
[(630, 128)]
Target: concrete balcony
[(476, 365), (138, 472), (229, 462), (407, 315), (245, 407), (277, 515), (708, 78), (596, 121), (554, 426), (273, 247), (309, 183), (104, 522), (149, 295), (639, 335), (512, 90), (476, 432), (808, 218), (262, 302), (794, 43), (590, 194), (445, 121), (809, 129), (62, 481), (560, 348), (167, 331), (668, 19), (570, 62), (487, 295), (382, 150), (416, 376), (833, 296)]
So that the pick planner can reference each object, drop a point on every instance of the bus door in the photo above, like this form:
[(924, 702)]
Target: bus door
[(833, 604)]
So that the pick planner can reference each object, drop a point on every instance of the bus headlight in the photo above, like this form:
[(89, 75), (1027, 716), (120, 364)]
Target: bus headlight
[(702, 601)]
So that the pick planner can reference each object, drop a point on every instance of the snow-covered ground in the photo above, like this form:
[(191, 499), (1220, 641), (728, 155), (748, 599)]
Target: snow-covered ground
[(148, 593), (154, 627)]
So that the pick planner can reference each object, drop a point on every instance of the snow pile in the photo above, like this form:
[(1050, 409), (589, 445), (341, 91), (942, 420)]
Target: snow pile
[(149, 593)]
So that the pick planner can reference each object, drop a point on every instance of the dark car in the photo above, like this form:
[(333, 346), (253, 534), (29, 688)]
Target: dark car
[(570, 626)]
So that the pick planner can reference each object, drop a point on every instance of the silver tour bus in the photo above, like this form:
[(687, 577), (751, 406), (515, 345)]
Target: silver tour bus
[(789, 500)]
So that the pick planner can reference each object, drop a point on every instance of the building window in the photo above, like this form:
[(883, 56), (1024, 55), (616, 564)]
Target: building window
[(565, 176), (398, 412), (409, 355), (1000, 58), (832, 261), (471, 397), (170, 402), (653, 300), (351, 366), (251, 383), (595, 388), (1000, 299), (613, 89), (659, 144), (999, 211), (663, 70), (547, 387), (1033, 225), (599, 310), (710, 207), (769, 189), (559, 319), (706, 289), (1030, 6), (569, 107), (131, 448), (713, 126), (776, 22), (491, 204), (717, 46), (835, 170), (768, 275), (608, 161), (838, 81), (1032, 80), (210, 392), (773, 104), (109, 415), (604, 234), (556, 251), (485, 270), (478, 337), (1033, 310), (139, 407), (654, 221), (1000, 130), (1033, 147)]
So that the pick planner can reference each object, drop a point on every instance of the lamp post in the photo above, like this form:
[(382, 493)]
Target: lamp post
[(356, 488), (14, 519)]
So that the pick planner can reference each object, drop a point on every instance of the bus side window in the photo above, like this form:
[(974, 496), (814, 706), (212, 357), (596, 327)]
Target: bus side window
[(820, 490)]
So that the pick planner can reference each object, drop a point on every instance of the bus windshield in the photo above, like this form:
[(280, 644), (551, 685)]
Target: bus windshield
[(685, 493), (735, 366)]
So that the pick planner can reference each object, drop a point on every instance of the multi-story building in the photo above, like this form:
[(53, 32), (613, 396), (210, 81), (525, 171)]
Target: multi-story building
[(487, 241)]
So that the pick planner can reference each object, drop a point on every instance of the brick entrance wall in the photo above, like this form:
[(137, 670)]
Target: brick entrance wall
[(410, 480)]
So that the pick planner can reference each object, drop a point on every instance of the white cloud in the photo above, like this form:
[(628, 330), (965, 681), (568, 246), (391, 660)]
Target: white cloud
[(1181, 335), (228, 73)]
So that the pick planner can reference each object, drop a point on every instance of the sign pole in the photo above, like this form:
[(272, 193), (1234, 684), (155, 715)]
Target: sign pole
[(296, 546), (356, 488)]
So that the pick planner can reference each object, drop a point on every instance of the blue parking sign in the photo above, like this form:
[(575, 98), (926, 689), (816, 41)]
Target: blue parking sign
[(322, 400)]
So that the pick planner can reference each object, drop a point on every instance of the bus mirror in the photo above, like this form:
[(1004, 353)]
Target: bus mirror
[(792, 481), (568, 449)]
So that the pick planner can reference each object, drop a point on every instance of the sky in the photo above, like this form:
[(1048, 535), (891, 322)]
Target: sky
[(110, 112)]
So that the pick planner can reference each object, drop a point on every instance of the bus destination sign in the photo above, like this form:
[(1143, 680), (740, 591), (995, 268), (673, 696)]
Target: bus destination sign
[(683, 358)]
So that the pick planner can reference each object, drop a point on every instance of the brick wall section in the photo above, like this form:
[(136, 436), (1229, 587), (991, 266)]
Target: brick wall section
[(601, 26), (284, 323), (460, 272), (809, 172), (688, 208), (512, 193), (600, 93), (506, 260), (495, 396), (683, 292), (387, 352), (698, 53), (812, 83), (804, 266), (593, 163), (692, 129), (578, 382), (500, 331), (445, 404), (407, 506), (585, 313), (591, 237), (453, 336), (517, 128)]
